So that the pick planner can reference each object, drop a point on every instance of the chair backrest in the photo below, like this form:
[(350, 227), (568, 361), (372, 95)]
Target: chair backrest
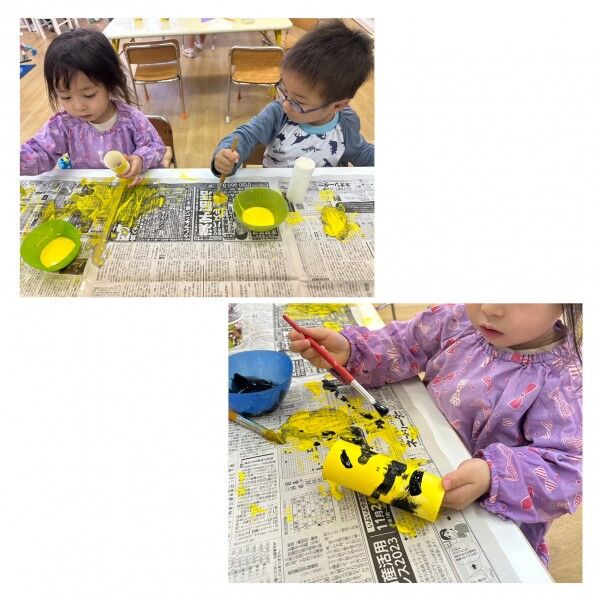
[(305, 24), (164, 129), (150, 53), (256, 157), (255, 64)]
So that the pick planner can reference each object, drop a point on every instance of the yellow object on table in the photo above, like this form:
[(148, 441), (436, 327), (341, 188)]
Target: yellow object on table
[(384, 478), (56, 251)]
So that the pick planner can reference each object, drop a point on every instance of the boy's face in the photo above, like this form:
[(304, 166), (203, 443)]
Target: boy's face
[(516, 326), (297, 94)]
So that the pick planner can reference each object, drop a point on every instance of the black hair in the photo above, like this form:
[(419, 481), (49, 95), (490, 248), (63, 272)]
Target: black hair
[(335, 59), (88, 51), (573, 319)]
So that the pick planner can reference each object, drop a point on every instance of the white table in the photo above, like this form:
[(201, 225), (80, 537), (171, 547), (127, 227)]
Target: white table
[(122, 28)]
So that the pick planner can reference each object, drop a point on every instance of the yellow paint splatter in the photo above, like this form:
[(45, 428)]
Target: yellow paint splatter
[(219, 198), (242, 490), (327, 195), (294, 218), (289, 515), (100, 206), (338, 224), (256, 510), (308, 310), (56, 251), (315, 388), (333, 325), (408, 524), (258, 216)]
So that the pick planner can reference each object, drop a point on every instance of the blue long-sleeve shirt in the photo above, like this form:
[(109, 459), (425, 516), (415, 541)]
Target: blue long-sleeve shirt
[(336, 143)]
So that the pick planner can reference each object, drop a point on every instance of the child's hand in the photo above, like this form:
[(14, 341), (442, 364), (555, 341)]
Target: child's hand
[(225, 160), (135, 169), (334, 342), (463, 486)]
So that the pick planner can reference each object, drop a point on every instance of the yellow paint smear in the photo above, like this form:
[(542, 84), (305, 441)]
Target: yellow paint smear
[(336, 223), (100, 206), (294, 218), (408, 524), (241, 490), (256, 510), (219, 198), (315, 387), (307, 311), (258, 216), (289, 515), (333, 325), (327, 195), (56, 251)]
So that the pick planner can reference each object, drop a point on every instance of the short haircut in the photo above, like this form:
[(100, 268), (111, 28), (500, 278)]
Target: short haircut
[(88, 51), (335, 59)]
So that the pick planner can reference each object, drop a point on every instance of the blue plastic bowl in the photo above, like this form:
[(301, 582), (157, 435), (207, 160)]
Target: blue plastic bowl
[(264, 364)]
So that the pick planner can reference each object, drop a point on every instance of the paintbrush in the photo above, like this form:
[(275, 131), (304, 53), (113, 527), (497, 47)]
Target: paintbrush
[(268, 434), (341, 372), (219, 189)]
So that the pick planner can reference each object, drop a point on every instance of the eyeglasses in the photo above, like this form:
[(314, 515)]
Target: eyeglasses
[(295, 105)]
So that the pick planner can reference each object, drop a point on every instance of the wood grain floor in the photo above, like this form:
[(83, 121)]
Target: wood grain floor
[(564, 537), (205, 89)]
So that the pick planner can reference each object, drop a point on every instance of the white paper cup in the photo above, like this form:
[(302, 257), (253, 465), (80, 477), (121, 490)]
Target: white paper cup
[(301, 176)]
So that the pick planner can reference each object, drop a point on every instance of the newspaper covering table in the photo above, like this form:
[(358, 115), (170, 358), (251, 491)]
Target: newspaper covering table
[(190, 246), (301, 535)]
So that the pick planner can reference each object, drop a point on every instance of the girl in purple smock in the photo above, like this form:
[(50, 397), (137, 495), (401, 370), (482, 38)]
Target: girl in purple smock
[(85, 78), (507, 377)]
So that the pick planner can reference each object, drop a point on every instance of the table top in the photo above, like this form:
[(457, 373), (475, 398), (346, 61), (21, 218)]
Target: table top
[(171, 238), (153, 27), (502, 542)]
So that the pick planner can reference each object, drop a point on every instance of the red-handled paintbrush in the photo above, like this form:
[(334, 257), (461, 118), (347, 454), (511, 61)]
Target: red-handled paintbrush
[(340, 371)]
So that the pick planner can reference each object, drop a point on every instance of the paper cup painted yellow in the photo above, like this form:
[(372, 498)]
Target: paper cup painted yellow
[(384, 478), (260, 209), (51, 246)]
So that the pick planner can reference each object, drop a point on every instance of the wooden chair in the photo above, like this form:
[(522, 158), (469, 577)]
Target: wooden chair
[(253, 65), (156, 62), (256, 158), (164, 129), (305, 25)]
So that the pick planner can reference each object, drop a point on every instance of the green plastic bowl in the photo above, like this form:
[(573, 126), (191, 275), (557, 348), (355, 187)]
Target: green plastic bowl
[(37, 239), (264, 198)]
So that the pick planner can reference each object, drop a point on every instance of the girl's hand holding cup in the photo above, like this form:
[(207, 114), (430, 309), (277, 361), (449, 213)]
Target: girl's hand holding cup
[(135, 169)]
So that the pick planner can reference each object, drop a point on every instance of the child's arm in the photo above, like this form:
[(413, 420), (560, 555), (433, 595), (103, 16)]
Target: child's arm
[(541, 480), (261, 129), (357, 150), (41, 152)]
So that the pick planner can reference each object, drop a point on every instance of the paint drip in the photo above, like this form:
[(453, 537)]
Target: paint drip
[(294, 218), (256, 510), (219, 198)]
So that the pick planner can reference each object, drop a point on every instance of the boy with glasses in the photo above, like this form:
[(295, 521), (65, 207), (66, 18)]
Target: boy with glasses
[(311, 117)]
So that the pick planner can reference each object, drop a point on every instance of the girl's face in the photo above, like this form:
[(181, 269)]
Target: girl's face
[(86, 99), (516, 326)]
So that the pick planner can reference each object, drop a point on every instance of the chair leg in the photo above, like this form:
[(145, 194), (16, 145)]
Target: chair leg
[(146, 92), (183, 114), (137, 99), (228, 102), (213, 41)]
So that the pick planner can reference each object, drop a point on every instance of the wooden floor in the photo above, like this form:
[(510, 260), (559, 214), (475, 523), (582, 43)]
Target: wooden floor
[(564, 537), (205, 89)]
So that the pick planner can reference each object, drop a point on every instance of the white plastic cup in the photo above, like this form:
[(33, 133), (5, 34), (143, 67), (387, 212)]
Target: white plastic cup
[(301, 176)]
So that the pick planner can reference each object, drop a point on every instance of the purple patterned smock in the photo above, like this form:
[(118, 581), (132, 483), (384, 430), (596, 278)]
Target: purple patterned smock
[(132, 133), (520, 412)]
